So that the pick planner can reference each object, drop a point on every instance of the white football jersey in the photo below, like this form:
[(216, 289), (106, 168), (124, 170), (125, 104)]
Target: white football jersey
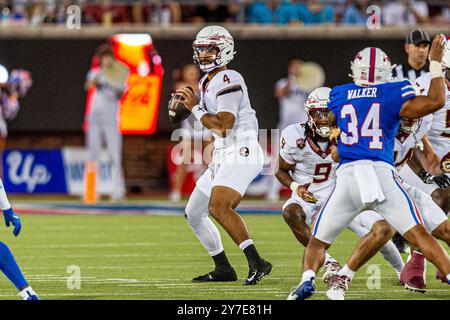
[(224, 82), (406, 142), (439, 134), (313, 165)]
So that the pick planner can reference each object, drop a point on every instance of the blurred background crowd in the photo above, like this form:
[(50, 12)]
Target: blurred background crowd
[(281, 12)]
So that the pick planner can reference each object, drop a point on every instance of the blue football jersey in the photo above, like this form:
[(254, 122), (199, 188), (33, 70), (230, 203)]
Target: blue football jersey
[(369, 119)]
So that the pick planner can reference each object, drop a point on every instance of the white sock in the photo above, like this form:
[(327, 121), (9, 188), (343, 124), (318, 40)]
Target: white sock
[(308, 275), (329, 258), (245, 244), (346, 271), (25, 293), (392, 255)]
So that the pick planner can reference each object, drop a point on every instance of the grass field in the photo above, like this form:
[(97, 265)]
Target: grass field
[(155, 257)]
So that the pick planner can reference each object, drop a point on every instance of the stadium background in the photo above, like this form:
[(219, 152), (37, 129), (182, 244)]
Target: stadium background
[(52, 113), (131, 249)]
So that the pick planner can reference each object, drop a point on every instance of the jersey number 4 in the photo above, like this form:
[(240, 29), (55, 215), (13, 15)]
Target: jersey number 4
[(370, 126)]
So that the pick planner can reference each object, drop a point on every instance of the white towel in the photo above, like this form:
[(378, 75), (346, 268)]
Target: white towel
[(369, 185)]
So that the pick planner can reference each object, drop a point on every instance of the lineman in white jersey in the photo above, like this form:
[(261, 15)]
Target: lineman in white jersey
[(439, 138), (224, 108), (307, 167)]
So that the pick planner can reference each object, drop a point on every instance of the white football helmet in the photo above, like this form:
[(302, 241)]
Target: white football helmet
[(219, 42), (371, 66), (316, 107)]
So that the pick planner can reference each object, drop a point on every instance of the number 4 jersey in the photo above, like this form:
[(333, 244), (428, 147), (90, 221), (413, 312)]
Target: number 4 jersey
[(313, 163), (369, 119), (215, 97)]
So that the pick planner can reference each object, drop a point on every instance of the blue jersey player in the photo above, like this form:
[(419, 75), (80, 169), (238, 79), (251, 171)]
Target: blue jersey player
[(367, 113), (8, 264)]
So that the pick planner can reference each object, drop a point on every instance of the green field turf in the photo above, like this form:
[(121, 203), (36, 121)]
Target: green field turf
[(155, 257)]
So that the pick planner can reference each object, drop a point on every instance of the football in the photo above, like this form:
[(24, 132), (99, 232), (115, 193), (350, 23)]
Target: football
[(177, 111)]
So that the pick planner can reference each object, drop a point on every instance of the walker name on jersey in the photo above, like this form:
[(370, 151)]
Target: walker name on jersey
[(362, 93)]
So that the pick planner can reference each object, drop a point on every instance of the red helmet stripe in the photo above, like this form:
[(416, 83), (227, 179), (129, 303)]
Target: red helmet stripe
[(372, 65)]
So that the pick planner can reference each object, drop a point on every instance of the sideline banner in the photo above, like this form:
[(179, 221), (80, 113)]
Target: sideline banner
[(51, 171)]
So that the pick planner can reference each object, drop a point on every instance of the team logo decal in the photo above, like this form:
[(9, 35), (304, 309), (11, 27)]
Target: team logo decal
[(244, 152)]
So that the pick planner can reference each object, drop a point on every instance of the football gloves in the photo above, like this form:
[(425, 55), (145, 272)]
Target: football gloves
[(425, 176), (12, 218), (442, 181)]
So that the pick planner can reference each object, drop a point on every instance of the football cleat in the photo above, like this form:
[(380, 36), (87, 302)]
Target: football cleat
[(332, 268), (440, 276), (217, 276), (29, 294), (413, 274), (256, 274), (304, 290), (337, 287)]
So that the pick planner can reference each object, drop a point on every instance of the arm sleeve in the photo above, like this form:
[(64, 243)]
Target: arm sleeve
[(229, 100), (407, 91)]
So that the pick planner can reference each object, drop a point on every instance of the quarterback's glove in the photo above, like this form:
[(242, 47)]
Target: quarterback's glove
[(442, 181), (11, 217), (425, 176)]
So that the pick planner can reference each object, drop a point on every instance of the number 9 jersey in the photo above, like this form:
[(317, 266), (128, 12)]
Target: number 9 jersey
[(313, 164), (369, 119)]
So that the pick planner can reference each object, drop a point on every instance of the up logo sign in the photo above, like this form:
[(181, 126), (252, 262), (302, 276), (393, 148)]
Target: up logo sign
[(33, 171)]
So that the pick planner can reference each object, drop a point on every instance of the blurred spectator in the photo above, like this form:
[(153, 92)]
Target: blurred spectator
[(275, 11), (107, 12), (156, 12), (439, 14), (405, 12), (109, 83), (315, 12), (355, 12)]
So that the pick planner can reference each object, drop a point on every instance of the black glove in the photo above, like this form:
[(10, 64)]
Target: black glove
[(425, 176), (442, 181)]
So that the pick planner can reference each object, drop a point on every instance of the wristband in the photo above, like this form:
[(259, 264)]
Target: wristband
[(436, 69), (294, 186), (198, 112)]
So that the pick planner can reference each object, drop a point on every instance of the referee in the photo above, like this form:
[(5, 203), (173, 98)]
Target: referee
[(417, 46)]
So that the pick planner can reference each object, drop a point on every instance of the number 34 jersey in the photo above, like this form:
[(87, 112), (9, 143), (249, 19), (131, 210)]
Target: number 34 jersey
[(439, 134), (369, 119), (313, 165)]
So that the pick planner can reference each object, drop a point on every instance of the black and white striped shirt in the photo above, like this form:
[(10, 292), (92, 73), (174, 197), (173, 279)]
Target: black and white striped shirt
[(406, 71)]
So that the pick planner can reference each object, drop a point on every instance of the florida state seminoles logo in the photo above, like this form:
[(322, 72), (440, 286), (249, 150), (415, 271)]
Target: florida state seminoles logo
[(301, 143), (445, 164), (243, 152)]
